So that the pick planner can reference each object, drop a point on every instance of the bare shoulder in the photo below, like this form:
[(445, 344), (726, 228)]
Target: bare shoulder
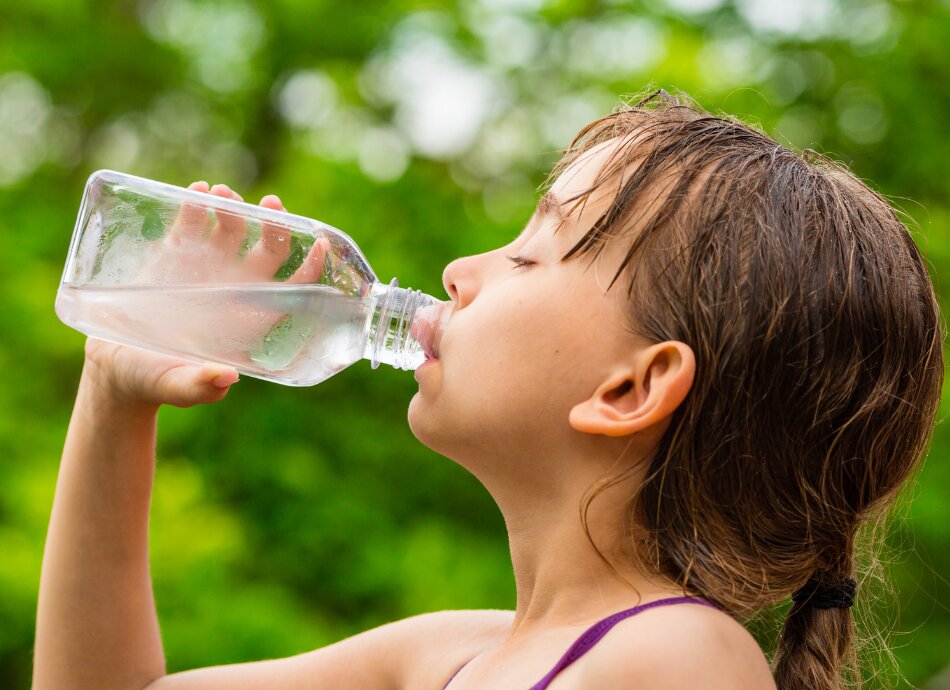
[(437, 644), (441, 641), (463, 623), (678, 647), (414, 652)]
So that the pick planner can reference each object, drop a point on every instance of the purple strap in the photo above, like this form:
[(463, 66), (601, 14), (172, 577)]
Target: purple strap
[(592, 636)]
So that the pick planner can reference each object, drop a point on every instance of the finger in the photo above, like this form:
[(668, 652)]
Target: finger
[(184, 386), (275, 238), (220, 377), (311, 270), (192, 218), (273, 248), (229, 230)]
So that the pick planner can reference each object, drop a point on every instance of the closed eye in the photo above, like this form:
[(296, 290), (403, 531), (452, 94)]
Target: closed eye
[(519, 262)]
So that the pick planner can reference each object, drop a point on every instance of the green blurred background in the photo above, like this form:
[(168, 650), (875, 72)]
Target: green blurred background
[(285, 519)]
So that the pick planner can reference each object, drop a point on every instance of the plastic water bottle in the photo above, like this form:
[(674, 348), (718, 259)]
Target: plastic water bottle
[(277, 296)]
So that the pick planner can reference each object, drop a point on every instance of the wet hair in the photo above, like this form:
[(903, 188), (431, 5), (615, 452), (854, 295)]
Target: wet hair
[(818, 345)]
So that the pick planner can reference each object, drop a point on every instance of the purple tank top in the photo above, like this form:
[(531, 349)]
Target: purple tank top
[(592, 636)]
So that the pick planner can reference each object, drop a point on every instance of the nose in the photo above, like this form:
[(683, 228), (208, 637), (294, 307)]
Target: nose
[(460, 280), (464, 277)]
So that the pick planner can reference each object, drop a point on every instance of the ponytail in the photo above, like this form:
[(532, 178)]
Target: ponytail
[(815, 649)]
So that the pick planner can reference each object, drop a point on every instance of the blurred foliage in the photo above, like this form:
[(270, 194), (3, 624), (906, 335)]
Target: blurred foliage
[(285, 519)]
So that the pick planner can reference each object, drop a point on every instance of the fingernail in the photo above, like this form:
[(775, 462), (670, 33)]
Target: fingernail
[(224, 380)]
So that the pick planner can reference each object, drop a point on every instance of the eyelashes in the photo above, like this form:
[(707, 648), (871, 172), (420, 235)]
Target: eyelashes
[(518, 261)]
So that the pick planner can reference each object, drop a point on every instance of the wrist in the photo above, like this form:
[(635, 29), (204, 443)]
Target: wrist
[(98, 391)]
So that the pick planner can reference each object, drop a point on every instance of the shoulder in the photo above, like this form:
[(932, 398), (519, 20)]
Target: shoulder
[(678, 647), (444, 634), (414, 652), (433, 645), (458, 625)]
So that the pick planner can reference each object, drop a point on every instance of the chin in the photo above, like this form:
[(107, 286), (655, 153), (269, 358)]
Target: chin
[(430, 427), (419, 415)]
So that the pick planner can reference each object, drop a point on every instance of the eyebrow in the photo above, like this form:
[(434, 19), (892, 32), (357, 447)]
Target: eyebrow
[(548, 204)]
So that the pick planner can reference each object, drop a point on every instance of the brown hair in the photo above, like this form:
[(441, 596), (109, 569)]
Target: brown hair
[(818, 346)]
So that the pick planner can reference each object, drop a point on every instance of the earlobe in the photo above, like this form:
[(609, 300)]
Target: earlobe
[(638, 397)]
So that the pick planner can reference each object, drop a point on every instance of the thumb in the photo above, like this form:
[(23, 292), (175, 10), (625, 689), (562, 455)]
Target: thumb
[(219, 376), (188, 385)]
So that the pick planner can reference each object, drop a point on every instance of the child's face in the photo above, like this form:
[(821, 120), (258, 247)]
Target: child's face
[(526, 344)]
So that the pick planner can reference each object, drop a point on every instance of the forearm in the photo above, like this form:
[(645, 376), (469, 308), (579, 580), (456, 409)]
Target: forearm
[(96, 621)]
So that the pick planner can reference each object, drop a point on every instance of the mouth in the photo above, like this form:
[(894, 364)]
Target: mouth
[(425, 339), (424, 331)]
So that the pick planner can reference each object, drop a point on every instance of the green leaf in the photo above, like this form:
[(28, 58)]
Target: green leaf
[(282, 344), (152, 226), (298, 251)]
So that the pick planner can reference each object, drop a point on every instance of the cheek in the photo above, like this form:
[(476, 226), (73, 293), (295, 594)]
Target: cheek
[(513, 367), (515, 353), (503, 334)]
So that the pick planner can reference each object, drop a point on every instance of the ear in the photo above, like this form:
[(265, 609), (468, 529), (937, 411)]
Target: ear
[(636, 398)]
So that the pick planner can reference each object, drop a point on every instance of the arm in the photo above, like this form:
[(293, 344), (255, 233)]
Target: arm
[(97, 627), (96, 623), (417, 652)]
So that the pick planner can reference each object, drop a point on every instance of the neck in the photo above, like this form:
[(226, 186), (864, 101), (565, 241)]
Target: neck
[(560, 578)]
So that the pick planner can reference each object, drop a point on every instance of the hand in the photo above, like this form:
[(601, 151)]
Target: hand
[(137, 378), (133, 376), (190, 255)]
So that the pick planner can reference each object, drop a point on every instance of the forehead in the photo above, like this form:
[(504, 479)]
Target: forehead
[(585, 172), (583, 192)]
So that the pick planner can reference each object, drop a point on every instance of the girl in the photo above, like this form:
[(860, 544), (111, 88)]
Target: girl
[(701, 368)]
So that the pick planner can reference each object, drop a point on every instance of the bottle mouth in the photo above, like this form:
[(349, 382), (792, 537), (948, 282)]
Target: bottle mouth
[(404, 327)]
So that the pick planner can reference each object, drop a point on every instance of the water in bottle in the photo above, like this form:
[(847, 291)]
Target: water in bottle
[(186, 273)]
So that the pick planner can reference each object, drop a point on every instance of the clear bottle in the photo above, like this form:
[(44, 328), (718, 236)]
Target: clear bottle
[(278, 296)]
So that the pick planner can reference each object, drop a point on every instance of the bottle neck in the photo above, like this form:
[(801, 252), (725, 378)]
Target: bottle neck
[(392, 311)]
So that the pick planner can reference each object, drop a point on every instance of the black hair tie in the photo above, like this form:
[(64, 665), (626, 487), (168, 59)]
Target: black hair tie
[(824, 594)]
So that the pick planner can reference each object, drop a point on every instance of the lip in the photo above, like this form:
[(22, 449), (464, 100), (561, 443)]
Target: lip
[(426, 329), (422, 366)]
